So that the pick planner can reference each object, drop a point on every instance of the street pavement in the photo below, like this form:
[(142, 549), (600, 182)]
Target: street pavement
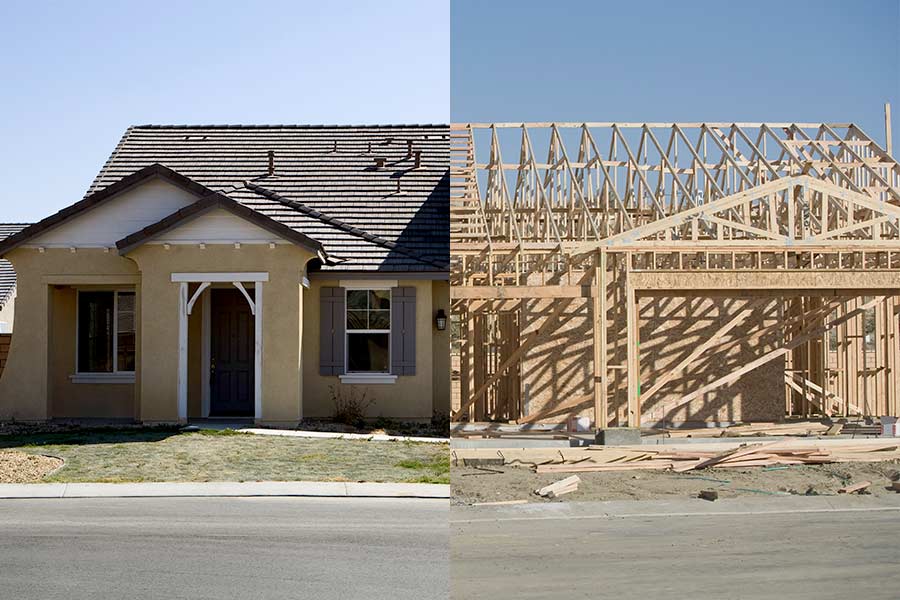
[(772, 548), (254, 548)]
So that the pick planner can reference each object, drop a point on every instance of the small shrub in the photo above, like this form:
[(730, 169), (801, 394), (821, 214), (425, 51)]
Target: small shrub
[(349, 405)]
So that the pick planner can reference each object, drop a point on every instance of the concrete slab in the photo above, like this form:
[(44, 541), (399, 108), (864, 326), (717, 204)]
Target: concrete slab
[(224, 489), (368, 437)]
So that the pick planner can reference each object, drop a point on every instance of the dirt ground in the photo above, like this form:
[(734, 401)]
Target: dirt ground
[(20, 467), (491, 484)]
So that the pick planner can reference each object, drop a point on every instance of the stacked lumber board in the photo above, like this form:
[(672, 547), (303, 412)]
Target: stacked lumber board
[(681, 458), (563, 486), (803, 428)]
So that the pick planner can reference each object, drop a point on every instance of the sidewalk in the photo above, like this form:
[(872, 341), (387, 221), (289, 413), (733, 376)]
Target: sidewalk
[(333, 489), (369, 437)]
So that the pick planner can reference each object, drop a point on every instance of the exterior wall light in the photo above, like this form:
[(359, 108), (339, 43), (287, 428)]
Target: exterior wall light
[(440, 320)]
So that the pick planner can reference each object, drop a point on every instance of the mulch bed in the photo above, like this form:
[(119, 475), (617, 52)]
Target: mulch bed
[(19, 467)]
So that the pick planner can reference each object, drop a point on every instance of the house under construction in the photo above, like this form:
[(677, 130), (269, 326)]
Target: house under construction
[(661, 273)]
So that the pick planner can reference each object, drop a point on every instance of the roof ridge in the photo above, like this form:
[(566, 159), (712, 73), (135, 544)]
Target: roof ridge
[(287, 126), (319, 215)]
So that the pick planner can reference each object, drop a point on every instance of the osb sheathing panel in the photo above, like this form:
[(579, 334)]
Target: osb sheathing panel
[(561, 363)]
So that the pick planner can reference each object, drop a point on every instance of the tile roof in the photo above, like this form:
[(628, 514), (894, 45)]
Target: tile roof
[(7, 273), (325, 183)]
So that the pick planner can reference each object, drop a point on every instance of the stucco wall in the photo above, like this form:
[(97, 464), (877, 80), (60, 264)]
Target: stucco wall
[(282, 326), (409, 398), (440, 291), (26, 383), (36, 384), (78, 400)]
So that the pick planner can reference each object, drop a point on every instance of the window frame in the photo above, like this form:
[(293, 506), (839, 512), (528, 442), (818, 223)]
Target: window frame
[(115, 373), (348, 332)]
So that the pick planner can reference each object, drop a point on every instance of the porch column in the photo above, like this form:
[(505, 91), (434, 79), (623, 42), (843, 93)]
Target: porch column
[(182, 351), (258, 346)]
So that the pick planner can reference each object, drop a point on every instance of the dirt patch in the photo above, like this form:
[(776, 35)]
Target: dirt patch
[(19, 467), (492, 484)]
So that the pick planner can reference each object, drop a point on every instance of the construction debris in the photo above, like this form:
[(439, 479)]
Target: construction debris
[(501, 503), (563, 486), (682, 458), (711, 495), (856, 488)]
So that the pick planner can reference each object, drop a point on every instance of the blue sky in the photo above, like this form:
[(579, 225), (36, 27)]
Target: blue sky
[(77, 74), (693, 60)]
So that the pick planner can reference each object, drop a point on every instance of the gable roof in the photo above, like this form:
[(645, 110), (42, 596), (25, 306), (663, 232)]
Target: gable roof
[(7, 273), (207, 203), (99, 197), (325, 183)]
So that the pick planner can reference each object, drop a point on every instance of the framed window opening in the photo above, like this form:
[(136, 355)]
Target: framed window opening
[(105, 336), (368, 331)]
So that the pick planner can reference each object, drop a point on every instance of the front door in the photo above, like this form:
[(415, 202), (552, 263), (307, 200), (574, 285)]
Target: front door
[(232, 354)]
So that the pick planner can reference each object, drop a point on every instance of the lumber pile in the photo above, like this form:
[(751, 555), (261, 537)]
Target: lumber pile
[(563, 486), (803, 428), (682, 457), (747, 455)]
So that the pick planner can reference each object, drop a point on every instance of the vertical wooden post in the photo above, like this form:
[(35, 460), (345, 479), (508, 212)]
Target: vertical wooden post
[(601, 405), (889, 146), (633, 323)]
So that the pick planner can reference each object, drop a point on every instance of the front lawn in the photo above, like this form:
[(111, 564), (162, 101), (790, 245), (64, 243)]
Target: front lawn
[(120, 455)]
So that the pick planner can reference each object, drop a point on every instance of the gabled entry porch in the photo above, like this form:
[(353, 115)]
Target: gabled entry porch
[(231, 337)]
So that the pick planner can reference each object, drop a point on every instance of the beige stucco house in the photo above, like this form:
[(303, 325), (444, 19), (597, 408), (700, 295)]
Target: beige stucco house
[(239, 272)]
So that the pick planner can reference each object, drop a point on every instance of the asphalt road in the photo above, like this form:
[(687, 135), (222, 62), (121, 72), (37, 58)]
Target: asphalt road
[(554, 551), (253, 548)]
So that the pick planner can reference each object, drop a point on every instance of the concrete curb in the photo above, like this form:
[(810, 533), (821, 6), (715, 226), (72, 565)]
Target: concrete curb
[(327, 489), (368, 437), (678, 507)]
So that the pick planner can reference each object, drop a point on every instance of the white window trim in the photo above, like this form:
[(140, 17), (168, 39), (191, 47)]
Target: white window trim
[(116, 376), (368, 378), (373, 377)]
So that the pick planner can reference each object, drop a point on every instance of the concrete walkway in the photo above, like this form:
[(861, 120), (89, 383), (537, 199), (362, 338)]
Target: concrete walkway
[(369, 437), (224, 488)]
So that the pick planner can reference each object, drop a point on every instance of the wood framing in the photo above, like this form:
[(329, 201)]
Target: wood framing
[(783, 239)]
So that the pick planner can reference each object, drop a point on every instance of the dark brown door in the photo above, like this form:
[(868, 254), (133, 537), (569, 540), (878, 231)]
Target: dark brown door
[(232, 353)]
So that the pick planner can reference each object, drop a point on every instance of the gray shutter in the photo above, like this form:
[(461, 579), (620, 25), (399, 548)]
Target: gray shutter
[(403, 331), (331, 331)]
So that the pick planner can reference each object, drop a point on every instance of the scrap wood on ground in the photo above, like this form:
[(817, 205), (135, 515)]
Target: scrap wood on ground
[(684, 458)]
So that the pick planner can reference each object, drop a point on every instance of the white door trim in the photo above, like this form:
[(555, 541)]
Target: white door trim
[(219, 277), (182, 350), (257, 307), (185, 304)]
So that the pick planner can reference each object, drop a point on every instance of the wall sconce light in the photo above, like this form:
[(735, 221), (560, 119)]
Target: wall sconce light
[(440, 320)]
